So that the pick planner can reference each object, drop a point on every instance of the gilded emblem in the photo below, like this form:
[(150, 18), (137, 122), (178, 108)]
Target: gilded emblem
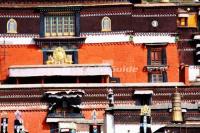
[(145, 110), (59, 57)]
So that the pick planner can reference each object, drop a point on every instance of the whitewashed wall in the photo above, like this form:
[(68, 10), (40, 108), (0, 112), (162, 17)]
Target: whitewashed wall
[(194, 71)]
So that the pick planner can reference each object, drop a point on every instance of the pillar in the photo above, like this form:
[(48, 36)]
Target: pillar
[(109, 123)]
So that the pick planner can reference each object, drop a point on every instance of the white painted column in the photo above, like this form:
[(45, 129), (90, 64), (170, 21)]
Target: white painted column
[(109, 123)]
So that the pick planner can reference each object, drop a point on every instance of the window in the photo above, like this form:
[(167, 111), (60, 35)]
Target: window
[(188, 19), (60, 25), (144, 99), (106, 24), (4, 123), (157, 77), (182, 21), (11, 26), (156, 56), (95, 129)]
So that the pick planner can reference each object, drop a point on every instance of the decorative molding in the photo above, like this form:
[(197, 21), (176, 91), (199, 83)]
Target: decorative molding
[(18, 16), (19, 35), (23, 106), (154, 15), (161, 68), (187, 49), (154, 33), (83, 34), (105, 14), (21, 96)]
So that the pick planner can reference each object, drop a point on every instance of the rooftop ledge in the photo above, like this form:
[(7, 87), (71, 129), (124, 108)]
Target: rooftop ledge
[(60, 70), (94, 85)]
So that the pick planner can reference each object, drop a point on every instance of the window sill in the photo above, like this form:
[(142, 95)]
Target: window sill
[(11, 32), (105, 30), (151, 68)]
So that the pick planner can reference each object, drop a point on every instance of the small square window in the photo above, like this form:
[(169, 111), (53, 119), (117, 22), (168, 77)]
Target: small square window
[(145, 99), (157, 78)]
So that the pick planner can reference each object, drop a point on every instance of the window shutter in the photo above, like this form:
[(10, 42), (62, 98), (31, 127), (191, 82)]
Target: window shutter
[(41, 25), (149, 77), (164, 56), (75, 57), (165, 77), (45, 56), (148, 56), (77, 24)]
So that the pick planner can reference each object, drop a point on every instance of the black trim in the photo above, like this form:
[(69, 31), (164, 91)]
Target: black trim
[(42, 25), (149, 78), (164, 56), (165, 77), (148, 56), (75, 57), (77, 24), (45, 56)]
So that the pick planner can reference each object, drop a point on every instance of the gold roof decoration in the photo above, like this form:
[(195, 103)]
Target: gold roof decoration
[(59, 57), (145, 110)]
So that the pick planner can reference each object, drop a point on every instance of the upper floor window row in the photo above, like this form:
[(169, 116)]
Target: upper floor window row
[(11, 26), (60, 25), (106, 24)]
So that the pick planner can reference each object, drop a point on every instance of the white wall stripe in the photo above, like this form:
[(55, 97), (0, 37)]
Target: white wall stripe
[(128, 38), (15, 41)]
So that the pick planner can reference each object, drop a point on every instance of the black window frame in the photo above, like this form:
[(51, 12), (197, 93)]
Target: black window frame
[(163, 55), (164, 76)]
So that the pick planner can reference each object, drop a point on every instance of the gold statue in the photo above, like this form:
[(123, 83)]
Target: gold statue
[(145, 110), (59, 57)]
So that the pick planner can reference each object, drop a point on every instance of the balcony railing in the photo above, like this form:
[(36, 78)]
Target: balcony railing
[(65, 115)]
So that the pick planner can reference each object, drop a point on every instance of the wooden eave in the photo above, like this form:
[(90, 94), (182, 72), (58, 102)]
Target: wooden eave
[(60, 5)]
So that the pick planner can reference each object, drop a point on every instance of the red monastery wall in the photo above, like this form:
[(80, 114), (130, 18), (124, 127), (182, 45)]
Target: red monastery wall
[(173, 63), (18, 55), (127, 60), (32, 123)]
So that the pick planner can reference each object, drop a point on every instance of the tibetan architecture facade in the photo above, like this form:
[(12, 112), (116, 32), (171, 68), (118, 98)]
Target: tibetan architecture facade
[(89, 66)]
